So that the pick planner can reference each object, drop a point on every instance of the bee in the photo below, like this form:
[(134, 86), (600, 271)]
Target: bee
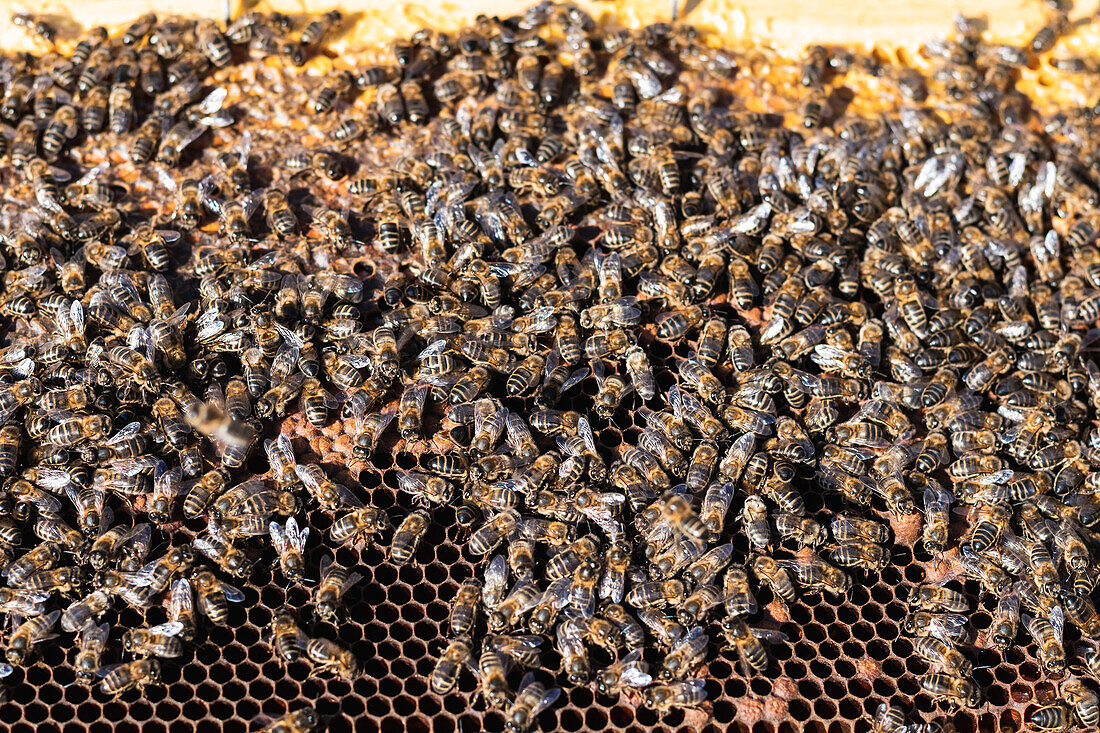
[(181, 608), (531, 700), (305, 720), (1047, 633), (289, 542), (455, 657), (212, 43), (219, 548), (90, 645), (289, 640), (202, 493), (87, 609), (23, 602), (319, 28), (956, 690), (1084, 701), (630, 671), (108, 544), (408, 536), (664, 697), (359, 525), (119, 678), (213, 595), (857, 554), (329, 494), (24, 637), (334, 583), (158, 641), (943, 654), (328, 656)]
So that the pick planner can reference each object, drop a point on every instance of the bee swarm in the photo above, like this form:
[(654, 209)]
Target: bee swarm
[(625, 375)]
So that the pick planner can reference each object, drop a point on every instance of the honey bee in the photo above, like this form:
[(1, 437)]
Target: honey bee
[(531, 700), (289, 640), (1047, 633), (334, 583), (408, 536), (1006, 619), (956, 690), (118, 678), (450, 664), (299, 721), (289, 542), (84, 611), (219, 548), (329, 657), (662, 698), (1084, 701), (158, 641), (24, 637), (329, 494), (92, 641), (359, 525)]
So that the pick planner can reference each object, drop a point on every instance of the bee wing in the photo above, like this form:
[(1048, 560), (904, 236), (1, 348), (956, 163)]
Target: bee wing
[(433, 349), (347, 498), (206, 547), (92, 634), (496, 577), (353, 578), (948, 627), (1057, 621), (231, 592), (213, 101), (107, 669), (296, 535), (324, 566), (599, 371), (584, 429), (53, 479), (574, 379), (278, 538), (769, 635), (633, 675), (548, 698), (181, 602), (309, 478), (171, 628), (558, 593), (604, 518)]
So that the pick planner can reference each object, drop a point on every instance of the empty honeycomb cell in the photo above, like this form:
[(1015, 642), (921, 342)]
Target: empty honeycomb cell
[(839, 633), (800, 614), (824, 614), (829, 650), (882, 594), (848, 614), (815, 632), (378, 706), (735, 688), (88, 712), (908, 685), (761, 686), (824, 709)]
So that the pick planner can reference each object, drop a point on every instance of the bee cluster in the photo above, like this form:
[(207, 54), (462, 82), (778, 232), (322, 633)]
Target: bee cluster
[(673, 363)]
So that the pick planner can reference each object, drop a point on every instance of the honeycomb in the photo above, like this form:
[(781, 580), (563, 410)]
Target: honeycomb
[(844, 658)]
